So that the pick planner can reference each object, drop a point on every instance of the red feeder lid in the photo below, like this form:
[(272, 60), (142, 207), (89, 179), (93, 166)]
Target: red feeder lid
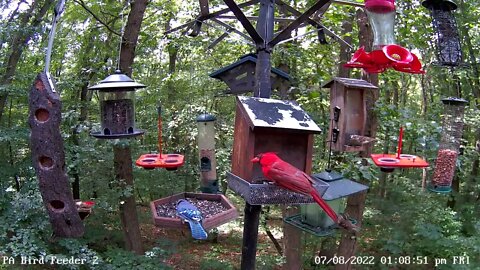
[(380, 6), (405, 161), (167, 161)]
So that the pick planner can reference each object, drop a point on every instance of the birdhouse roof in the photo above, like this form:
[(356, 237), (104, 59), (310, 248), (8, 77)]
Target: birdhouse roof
[(352, 83), (273, 113), (243, 60)]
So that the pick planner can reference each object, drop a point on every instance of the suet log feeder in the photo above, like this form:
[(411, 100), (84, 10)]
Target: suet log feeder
[(117, 107), (312, 218), (447, 38), (349, 110), (240, 76), (270, 125), (206, 151), (452, 131)]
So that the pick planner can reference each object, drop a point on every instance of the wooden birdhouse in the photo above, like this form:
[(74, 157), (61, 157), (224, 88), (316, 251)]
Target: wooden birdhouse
[(349, 114), (240, 76), (270, 125)]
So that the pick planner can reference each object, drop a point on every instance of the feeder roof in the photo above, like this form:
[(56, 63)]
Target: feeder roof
[(454, 101), (117, 82), (206, 117), (446, 5), (245, 59), (273, 113), (339, 188), (352, 83)]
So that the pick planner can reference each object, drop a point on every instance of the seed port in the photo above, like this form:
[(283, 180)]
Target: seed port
[(389, 160), (148, 160), (171, 161), (42, 115), (106, 131), (57, 205), (45, 162), (407, 156)]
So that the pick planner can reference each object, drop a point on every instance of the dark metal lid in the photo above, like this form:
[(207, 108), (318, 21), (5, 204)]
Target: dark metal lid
[(117, 82), (206, 117), (328, 176), (454, 101), (446, 5)]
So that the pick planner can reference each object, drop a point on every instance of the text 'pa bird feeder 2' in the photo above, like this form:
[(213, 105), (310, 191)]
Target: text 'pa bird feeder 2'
[(447, 38), (270, 125), (206, 152), (389, 162), (452, 131), (169, 162), (386, 54), (349, 110), (117, 107)]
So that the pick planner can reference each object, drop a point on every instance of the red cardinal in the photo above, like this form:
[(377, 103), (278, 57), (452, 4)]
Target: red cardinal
[(288, 177)]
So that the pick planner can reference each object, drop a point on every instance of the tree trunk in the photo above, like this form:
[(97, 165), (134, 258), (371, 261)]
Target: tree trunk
[(122, 154), (20, 40), (356, 202)]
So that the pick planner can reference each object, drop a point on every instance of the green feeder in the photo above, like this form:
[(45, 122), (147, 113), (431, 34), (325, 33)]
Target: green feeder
[(312, 218)]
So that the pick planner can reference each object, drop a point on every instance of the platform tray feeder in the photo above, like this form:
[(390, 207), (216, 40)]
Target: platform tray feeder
[(228, 213), (270, 125), (312, 218)]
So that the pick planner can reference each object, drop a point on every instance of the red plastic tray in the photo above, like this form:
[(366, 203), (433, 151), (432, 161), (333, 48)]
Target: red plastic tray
[(405, 161), (167, 161)]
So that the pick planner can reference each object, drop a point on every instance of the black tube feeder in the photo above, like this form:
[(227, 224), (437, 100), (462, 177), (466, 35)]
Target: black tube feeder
[(117, 107), (447, 38)]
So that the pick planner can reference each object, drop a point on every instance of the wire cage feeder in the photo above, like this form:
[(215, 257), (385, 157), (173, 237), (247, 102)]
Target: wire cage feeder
[(452, 131), (446, 37)]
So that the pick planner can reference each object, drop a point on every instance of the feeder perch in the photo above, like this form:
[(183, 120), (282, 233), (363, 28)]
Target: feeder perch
[(206, 153), (389, 162), (385, 54), (446, 37), (312, 218), (452, 131), (270, 125), (228, 214), (117, 107), (170, 162), (240, 76), (348, 107)]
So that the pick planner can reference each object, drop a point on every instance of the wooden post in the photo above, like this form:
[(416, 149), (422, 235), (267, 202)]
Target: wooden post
[(263, 87)]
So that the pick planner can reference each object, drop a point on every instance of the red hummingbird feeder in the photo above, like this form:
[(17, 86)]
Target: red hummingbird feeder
[(160, 160), (385, 54), (388, 162)]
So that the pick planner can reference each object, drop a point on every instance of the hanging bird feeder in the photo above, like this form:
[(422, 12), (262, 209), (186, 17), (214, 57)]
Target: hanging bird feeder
[(447, 38), (117, 107), (206, 152), (160, 160), (388, 162), (386, 54), (452, 132)]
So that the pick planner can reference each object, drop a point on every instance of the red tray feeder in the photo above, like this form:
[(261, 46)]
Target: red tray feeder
[(208, 222), (388, 162), (168, 161)]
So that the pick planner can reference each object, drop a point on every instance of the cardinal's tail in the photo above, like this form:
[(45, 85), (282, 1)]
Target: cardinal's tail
[(324, 206)]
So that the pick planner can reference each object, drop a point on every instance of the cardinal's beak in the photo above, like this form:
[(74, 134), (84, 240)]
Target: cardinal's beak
[(255, 159)]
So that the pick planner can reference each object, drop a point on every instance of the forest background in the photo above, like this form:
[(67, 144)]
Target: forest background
[(400, 218)]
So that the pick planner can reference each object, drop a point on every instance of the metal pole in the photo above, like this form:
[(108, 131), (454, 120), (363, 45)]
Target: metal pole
[(263, 85)]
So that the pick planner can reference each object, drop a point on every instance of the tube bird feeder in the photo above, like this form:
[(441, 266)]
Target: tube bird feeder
[(206, 152), (452, 131)]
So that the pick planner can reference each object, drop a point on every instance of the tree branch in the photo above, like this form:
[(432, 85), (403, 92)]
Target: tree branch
[(81, 3)]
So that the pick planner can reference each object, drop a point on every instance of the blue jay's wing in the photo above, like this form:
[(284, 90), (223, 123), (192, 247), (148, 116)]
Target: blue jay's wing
[(190, 213)]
